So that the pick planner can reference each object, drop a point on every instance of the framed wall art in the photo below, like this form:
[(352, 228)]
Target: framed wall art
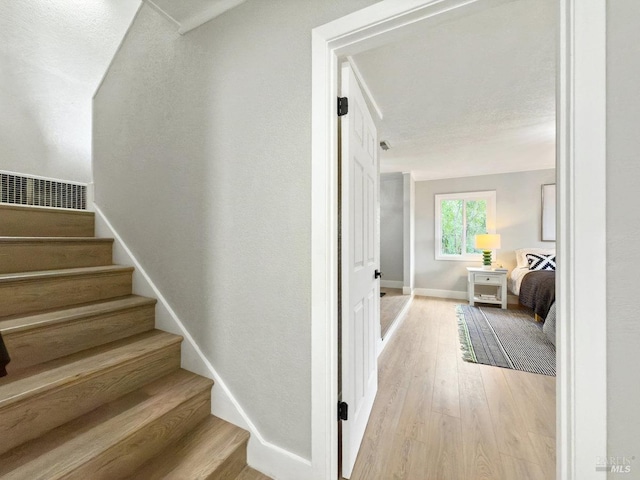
[(549, 212)]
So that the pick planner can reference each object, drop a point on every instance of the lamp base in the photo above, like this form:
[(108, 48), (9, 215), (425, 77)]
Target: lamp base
[(486, 259)]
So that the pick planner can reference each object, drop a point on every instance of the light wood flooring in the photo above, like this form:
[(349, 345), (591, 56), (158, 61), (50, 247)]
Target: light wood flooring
[(390, 306), (437, 417)]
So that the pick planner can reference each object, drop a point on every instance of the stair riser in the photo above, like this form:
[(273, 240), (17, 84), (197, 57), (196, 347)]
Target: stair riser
[(40, 294), (34, 222), (46, 343), (145, 443), (42, 412), (34, 256)]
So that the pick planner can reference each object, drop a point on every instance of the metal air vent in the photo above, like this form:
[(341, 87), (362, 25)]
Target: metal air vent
[(29, 190)]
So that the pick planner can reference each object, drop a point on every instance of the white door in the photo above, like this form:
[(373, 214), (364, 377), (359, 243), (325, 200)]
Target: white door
[(360, 252)]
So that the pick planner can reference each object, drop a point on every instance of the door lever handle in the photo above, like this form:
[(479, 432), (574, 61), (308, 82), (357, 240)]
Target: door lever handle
[(378, 274)]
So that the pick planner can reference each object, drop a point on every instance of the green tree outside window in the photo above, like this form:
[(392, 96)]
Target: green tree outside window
[(461, 219)]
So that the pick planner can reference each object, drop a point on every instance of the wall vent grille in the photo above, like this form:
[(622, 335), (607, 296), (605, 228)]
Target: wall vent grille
[(27, 190)]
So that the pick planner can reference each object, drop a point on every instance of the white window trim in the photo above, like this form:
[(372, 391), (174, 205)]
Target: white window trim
[(489, 196)]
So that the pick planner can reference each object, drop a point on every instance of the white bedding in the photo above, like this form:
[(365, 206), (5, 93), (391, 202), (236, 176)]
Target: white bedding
[(515, 279)]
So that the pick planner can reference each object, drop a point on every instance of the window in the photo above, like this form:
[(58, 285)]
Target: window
[(459, 218)]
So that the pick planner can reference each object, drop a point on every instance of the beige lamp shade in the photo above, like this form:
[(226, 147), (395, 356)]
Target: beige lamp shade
[(488, 241)]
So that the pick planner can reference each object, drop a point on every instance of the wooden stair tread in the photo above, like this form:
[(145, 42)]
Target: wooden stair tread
[(64, 449), (72, 369), (66, 272), (201, 454), (73, 240), (20, 323)]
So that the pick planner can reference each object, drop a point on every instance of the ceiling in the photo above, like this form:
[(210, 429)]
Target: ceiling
[(472, 96)]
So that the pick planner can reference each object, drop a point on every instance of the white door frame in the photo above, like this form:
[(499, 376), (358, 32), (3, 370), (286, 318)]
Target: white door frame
[(581, 384)]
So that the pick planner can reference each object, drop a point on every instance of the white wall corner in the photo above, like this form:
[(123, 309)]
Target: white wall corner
[(200, 18), (91, 196), (115, 54), (162, 12), (409, 200), (395, 325), (261, 455), (407, 290), (195, 16)]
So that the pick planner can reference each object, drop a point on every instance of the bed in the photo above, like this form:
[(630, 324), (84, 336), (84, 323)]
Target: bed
[(536, 289)]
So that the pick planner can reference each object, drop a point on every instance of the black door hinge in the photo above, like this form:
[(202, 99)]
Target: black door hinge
[(343, 106), (343, 411)]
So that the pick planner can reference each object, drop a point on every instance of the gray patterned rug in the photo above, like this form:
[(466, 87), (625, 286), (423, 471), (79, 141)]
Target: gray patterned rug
[(505, 338)]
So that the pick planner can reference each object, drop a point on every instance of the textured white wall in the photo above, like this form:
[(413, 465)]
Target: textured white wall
[(391, 226), (52, 57), (202, 162), (45, 122), (518, 208), (623, 228)]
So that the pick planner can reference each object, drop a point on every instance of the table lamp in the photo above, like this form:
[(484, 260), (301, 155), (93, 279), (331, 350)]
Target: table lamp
[(487, 242)]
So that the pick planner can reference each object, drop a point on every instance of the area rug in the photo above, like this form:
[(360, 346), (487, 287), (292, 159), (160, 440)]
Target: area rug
[(505, 338)]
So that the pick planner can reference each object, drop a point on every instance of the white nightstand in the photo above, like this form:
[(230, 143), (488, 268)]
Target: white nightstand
[(479, 276)]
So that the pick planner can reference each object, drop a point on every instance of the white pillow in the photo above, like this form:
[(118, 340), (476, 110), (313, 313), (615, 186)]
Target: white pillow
[(521, 254)]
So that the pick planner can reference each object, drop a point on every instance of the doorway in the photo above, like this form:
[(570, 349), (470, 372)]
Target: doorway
[(581, 424)]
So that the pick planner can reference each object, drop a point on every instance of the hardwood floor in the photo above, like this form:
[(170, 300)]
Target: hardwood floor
[(437, 417), (390, 306)]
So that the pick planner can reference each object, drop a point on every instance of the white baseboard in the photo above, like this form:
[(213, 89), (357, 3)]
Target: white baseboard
[(454, 294), (261, 455), (432, 292), (407, 291), (276, 462), (391, 283)]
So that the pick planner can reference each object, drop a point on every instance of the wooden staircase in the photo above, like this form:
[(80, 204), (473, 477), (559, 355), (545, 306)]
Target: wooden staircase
[(93, 391)]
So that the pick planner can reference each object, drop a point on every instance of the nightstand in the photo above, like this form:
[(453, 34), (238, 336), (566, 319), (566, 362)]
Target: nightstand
[(479, 276)]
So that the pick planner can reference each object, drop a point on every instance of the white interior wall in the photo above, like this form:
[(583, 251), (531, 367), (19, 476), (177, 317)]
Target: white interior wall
[(45, 122), (52, 57), (518, 215), (623, 227), (392, 227), (202, 163), (409, 204)]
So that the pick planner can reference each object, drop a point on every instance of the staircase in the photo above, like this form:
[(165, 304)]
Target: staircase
[(93, 391)]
